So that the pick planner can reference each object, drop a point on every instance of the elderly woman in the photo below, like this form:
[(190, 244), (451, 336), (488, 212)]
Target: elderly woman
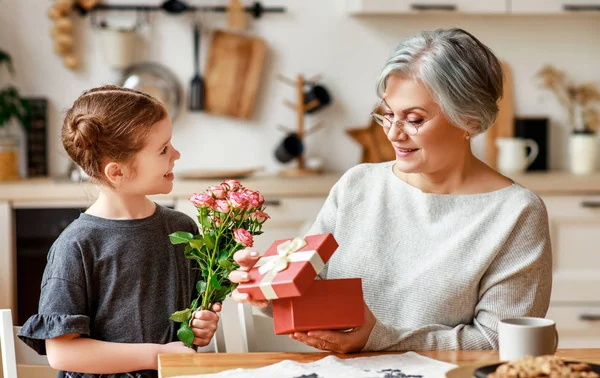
[(445, 245)]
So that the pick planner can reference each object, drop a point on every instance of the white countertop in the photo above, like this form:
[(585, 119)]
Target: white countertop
[(45, 190)]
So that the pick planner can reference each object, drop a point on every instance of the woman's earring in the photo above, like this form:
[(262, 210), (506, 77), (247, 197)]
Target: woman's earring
[(467, 137)]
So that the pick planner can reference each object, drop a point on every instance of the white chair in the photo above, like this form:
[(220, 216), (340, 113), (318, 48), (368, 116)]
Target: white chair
[(258, 334), (16, 352)]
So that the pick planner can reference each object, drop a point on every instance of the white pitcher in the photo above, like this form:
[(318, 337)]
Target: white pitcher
[(512, 154)]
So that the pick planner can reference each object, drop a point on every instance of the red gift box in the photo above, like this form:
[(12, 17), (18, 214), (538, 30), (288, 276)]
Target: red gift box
[(288, 268), (328, 304)]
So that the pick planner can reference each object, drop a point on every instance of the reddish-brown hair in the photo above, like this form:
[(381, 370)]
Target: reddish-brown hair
[(108, 123)]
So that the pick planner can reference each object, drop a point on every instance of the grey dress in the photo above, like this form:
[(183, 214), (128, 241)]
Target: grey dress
[(116, 281)]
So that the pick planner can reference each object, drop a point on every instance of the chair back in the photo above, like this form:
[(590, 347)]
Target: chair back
[(258, 334)]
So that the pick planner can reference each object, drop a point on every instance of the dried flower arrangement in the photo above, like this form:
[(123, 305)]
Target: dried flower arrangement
[(580, 101)]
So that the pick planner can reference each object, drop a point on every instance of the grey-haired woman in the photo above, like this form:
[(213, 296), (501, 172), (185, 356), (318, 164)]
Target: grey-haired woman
[(445, 245)]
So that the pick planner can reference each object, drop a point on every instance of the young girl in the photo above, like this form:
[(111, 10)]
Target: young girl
[(113, 278)]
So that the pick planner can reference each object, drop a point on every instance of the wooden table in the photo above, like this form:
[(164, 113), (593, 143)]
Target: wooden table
[(171, 365)]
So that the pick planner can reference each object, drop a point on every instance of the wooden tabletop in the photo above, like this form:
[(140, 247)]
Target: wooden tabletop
[(171, 365)]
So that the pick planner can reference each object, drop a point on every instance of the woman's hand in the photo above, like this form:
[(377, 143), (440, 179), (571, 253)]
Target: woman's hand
[(339, 341), (204, 325), (246, 259)]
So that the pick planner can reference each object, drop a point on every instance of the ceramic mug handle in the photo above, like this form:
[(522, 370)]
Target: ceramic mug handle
[(533, 153), (556, 345)]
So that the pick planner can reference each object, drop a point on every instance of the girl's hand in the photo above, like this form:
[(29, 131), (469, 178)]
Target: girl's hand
[(246, 259), (204, 324), (175, 347), (338, 341)]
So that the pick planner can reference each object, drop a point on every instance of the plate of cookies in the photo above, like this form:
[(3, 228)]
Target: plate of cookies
[(537, 367)]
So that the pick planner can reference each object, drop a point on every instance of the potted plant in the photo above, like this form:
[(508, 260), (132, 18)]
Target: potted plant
[(12, 106), (583, 116)]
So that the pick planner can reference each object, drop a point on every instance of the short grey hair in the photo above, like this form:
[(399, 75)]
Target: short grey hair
[(462, 74)]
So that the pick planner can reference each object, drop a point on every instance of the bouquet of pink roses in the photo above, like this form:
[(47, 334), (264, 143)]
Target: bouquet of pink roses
[(229, 216)]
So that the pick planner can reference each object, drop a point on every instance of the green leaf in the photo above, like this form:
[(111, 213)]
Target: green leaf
[(181, 316), (224, 293), (226, 264), (204, 221), (215, 282), (186, 335), (223, 255), (210, 243), (194, 305), (180, 237), (201, 287), (197, 243)]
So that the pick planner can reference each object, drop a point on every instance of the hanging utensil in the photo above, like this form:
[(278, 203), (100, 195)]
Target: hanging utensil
[(174, 6), (236, 15), (197, 87), (157, 81)]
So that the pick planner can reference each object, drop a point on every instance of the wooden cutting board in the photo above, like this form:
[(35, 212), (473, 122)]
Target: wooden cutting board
[(375, 144), (504, 126), (232, 75)]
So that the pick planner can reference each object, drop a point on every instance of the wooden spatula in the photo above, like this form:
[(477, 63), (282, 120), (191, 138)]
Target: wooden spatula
[(236, 15), (504, 126)]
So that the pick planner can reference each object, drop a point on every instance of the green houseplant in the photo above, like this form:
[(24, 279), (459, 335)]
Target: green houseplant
[(12, 106)]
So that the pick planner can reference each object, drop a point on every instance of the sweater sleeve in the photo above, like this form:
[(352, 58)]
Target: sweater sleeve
[(517, 283), (326, 220)]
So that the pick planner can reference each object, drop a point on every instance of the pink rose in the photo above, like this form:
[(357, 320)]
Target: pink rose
[(237, 200), (255, 199), (243, 237), (259, 216), (202, 200), (216, 191), (221, 206), (231, 185)]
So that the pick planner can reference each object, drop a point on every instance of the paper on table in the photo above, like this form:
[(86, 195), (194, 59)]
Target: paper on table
[(407, 365)]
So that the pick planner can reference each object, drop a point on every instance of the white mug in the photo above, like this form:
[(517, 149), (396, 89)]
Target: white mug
[(512, 156), (520, 337)]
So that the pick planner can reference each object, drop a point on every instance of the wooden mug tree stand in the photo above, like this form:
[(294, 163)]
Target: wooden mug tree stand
[(300, 108)]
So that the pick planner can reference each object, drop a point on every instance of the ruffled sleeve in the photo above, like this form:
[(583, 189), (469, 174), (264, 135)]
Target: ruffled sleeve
[(40, 327), (63, 307)]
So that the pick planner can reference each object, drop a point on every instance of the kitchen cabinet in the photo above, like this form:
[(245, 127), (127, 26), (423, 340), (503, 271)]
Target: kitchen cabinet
[(382, 7), (554, 6), (578, 326), (508, 7), (575, 235)]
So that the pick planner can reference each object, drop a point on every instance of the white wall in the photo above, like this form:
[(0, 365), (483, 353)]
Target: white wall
[(314, 36)]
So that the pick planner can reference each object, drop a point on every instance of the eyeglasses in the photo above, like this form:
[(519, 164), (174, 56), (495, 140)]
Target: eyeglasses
[(409, 127)]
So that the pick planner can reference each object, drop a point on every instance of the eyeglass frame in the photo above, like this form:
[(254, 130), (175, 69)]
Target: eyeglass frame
[(398, 122)]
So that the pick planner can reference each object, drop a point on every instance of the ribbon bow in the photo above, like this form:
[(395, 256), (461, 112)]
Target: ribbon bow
[(282, 260), (287, 252)]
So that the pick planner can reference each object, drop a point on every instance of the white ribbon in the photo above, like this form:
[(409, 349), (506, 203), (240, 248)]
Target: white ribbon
[(287, 252)]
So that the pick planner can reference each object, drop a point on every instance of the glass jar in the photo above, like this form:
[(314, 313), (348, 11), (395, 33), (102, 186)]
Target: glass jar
[(9, 157)]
